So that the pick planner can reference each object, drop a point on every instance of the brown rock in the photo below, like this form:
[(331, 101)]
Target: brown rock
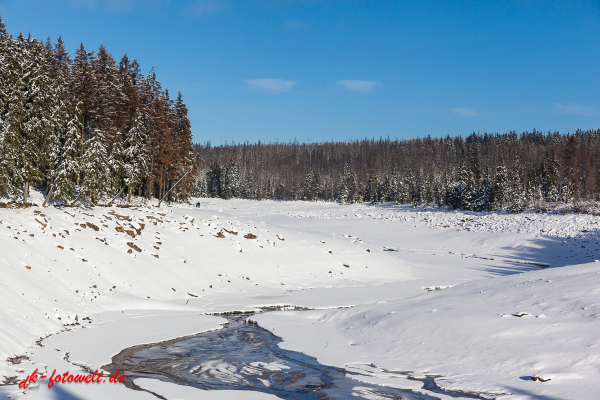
[(133, 246)]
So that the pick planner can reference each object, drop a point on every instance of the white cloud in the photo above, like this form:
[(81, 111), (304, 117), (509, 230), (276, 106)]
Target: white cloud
[(296, 24), (203, 7), (464, 112), (271, 85), (575, 109), (359, 86)]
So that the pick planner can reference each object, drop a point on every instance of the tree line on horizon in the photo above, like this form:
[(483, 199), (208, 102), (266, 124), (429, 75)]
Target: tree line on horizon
[(479, 172), (87, 128)]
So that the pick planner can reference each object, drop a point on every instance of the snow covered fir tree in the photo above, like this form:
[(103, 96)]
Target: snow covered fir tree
[(87, 129)]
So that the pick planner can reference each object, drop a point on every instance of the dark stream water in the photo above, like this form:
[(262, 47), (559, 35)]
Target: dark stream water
[(244, 356)]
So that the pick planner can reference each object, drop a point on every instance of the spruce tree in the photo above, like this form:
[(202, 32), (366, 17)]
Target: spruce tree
[(200, 188), (4, 73), (96, 172), (30, 123), (184, 150), (109, 107), (129, 75), (550, 178), (483, 202), (117, 162), (13, 144), (213, 180), (69, 165), (230, 181), (136, 155), (82, 84), (308, 189), (517, 194), (500, 193), (462, 191), (387, 190), (474, 184), (344, 191)]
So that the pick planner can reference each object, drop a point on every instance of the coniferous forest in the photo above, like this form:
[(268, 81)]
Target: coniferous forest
[(478, 172), (86, 128)]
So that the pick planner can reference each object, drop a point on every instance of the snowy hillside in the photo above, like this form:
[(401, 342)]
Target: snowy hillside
[(459, 297)]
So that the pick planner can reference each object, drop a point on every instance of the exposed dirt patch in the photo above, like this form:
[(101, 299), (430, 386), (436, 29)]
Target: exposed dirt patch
[(134, 246), (94, 227), (16, 359)]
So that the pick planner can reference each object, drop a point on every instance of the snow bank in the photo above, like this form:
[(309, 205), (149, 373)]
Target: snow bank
[(412, 285), (487, 336)]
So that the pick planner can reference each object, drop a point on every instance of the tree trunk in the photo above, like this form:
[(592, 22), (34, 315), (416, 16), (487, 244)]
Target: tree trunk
[(48, 196), (150, 181), (160, 188), (75, 201), (161, 200), (25, 192), (117, 195)]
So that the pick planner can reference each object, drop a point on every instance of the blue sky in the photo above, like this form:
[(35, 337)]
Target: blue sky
[(324, 70)]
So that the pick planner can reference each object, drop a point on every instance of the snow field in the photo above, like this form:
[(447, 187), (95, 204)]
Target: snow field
[(65, 267), (395, 297)]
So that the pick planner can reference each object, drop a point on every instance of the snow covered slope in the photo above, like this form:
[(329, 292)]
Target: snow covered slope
[(143, 274), (487, 336)]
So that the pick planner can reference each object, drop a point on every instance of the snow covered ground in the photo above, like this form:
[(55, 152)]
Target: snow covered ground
[(394, 293)]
